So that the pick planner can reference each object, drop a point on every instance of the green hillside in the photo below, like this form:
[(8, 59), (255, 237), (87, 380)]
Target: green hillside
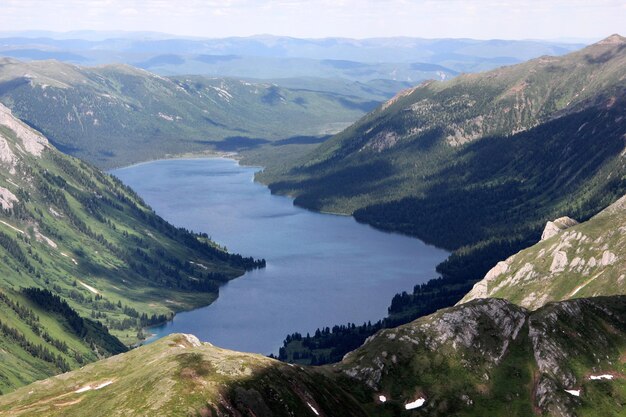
[(582, 260), (180, 376), (115, 115), (479, 163), (82, 256), (492, 358), (483, 358)]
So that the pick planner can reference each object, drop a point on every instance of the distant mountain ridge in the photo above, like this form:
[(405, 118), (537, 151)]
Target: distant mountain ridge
[(482, 161), (116, 115), (459, 55)]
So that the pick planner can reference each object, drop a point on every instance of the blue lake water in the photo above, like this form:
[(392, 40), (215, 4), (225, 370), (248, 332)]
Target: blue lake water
[(321, 269)]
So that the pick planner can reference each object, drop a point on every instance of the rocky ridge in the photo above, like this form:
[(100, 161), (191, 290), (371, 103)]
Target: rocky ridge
[(571, 260)]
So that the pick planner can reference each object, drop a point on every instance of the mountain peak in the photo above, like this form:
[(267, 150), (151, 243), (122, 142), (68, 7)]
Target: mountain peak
[(614, 39)]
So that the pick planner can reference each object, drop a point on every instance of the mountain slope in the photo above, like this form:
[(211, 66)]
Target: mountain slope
[(481, 162), (81, 251), (492, 358), (486, 357), (178, 375), (571, 261), (115, 115)]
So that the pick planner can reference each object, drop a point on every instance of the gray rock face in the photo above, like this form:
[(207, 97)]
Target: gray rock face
[(482, 335), (556, 226)]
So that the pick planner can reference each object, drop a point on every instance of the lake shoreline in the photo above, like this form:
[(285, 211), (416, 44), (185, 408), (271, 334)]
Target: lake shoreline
[(346, 271)]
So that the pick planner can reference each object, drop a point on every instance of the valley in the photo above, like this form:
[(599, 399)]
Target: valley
[(311, 227)]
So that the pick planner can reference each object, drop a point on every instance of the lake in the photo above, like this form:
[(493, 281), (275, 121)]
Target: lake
[(322, 269)]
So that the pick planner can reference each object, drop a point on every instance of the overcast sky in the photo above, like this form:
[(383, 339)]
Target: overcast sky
[(482, 19)]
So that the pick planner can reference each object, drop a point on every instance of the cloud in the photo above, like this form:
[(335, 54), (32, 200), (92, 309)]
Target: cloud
[(129, 11), (324, 18)]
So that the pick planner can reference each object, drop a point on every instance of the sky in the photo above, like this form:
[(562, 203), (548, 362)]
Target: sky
[(479, 19)]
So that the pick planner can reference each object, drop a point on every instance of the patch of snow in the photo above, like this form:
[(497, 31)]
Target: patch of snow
[(574, 392), (605, 376), (93, 387), (382, 398), (199, 264), (224, 94), (104, 384), (89, 287), (166, 117), (415, 404), (313, 408)]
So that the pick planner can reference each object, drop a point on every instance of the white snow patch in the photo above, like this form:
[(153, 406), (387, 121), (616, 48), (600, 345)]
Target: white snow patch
[(93, 387), (198, 264), (415, 404), (596, 377), (313, 408), (574, 392), (382, 398), (89, 287), (166, 117)]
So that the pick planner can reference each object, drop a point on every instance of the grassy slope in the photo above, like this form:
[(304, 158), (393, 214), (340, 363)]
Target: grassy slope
[(85, 236), (116, 115), (477, 359), (585, 260), (177, 376), (489, 357)]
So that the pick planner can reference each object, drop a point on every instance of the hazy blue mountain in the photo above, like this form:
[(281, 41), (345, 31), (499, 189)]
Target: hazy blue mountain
[(275, 56)]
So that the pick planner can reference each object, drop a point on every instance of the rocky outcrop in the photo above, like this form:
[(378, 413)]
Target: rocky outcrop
[(571, 260), (556, 226), (7, 198), (476, 341)]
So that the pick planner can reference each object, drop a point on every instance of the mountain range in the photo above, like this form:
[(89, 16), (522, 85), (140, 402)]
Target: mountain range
[(117, 115), (266, 56), (479, 163), (520, 170)]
